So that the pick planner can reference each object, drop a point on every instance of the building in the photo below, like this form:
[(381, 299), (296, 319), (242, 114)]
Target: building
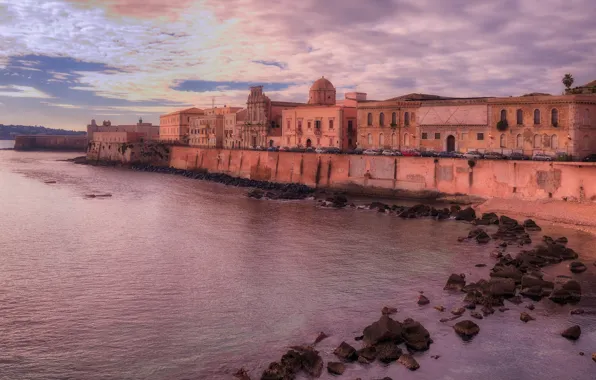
[(174, 127), (150, 131), (322, 122), (207, 130), (262, 126), (233, 123), (119, 137), (529, 124)]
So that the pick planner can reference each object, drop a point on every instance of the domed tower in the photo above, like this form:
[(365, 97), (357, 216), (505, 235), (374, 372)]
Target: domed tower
[(322, 93)]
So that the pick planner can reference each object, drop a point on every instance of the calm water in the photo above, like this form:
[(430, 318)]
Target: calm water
[(173, 279)]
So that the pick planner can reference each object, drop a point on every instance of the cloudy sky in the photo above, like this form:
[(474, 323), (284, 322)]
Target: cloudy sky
[(63, 62)]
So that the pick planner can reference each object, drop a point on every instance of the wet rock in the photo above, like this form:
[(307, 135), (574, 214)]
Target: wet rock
[(467, 214), (470, 306), (503, 309), (455, 282), (385, 329), (515, 300), (530, 225), (415, 335), (242, 374), (388, 352), (480, 265), (562, 240), (507, 221), (568, 292), (535, 293), (530, 306), (458, 311), (339, 201), (256, 193), (594, 356), (296, 359), (487, 310), (422, 300), (476, 315), (440, 308), (530, 280), (378, 206), (367, 353), (336, 368), (358, 338), (577, 267), (576, 311), (525, 317), (490, 218), (572, 332), (435, 356), (346, 352), (466, 329), (320, 337), (508, 271), (409, 362), (388, 310), (483, 238), (502, 287)]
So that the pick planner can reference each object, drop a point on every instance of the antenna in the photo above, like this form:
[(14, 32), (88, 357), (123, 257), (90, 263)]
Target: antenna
[(213, 102)]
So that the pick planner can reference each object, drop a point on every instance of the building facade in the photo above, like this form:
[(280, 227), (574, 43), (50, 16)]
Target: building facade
[(150, 131), (233, 123), (174, 127), (322, 122), (207, 130)]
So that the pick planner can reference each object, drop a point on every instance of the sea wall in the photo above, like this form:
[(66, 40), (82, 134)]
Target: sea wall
[(51, 142), (414, 176), (149, 152)]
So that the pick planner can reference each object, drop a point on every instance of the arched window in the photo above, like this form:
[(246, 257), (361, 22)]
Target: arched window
[(381, 140), (554, 117), (503, 115), (545, 140), (369, 120), (554, 142), (503, 141), (369, 139), (537, 141), (520, 117), (394, 118), (382, 119), (393, 139), (519, 141), (536, 116), (406, 139), (586, 143), (407, 118)]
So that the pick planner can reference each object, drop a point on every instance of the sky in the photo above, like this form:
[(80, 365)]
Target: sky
[(64, 62)]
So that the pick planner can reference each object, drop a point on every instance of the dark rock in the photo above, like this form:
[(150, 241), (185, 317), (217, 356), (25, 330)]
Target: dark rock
[(387, 352), (530, 306), (467, 214), (487, 310), (346, 352), (507, 221), (480, 265), (367, 353), (535, 293), (515, 300), (455, 282), (320, 337), (490, 218), (562, 240), (476, 315), (483, 238), (339, 201), (508, 271), (378, 205), (470, 306), (458, 311), (576, 311), (388, 310), (440, 308), (594, 356), (435, 356), (466, 329), (336, 368), (503, 309), (530, 225), (528, 281), (242, 374), (577, 267), (422, 300), (525, 317), (415, 335), (572, 332), (409, 362), (256, 193), (569, 292), (385, 329), (502, 287), (358, 338)]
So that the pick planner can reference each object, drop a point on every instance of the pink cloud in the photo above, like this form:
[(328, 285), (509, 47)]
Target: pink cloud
[(139, 8)]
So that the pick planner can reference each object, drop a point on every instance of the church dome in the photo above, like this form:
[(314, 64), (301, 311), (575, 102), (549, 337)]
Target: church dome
[(322, 84), (322, 92)]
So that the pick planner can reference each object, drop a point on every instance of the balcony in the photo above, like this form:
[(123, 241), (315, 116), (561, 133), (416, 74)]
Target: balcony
[(317, 131), (299, 131)]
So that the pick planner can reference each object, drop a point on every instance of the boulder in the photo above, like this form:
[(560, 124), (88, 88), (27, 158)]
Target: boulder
[(531, 225), (388, 352), (490, 218), (346, 352), (508, 271), (525, 317), (487, 310), (440, 308), (483, 238), (501, 287), (576, 311), (336, 368), (503, 309), (577, 267), (572, 332), (480, 265), (568, 292), (409, 362), (562, 240), (455, 282), (507, 221), (530, 280), (378, 205), (388, 310), (242, 374), (515, 300), (416, 337), (385, 329), (458, 311), (467, 214), (466, 329), (422, 300), (256, 193), (320, 337), (476, 315), (367, 353)]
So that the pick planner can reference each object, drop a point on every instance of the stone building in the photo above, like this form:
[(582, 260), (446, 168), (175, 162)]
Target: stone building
[(233, 123), (148, 130), (207, 130), (322, 122), (174, 127), (262, 126)]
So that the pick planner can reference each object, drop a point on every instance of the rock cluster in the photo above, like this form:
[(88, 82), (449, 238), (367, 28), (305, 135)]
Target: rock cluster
[(297, 359)]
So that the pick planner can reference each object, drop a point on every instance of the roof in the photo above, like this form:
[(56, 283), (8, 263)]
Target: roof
[(241, 115), (322, 84), (194, 110), (416, 96), (537, 94)]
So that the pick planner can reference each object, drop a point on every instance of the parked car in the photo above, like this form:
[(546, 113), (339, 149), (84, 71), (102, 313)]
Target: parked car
[(355, 151), (391, 152), (273, 149), (411, 153), (517, 156), (447, 154), (333, 150), (542, 157), (310, 149), (428, 153), (493, 156), (590, 158), (320, 150), (284, 149), (372, 152), (473, 154), (297, 149)]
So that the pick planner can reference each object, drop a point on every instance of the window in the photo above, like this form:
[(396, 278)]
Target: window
[(437, 136), (413, 117), (394, 118), (503, 115), (479, 136), (369, 119), (407, 118), (350, 125), (289, 124), (503, 141), (381, 140), (536, 141), (330, 124), (369, 139), (330, 141), (536, 116), (424, 136), (318, 124), (554, 142), (382, 119), (300, 124), (309, 125), (519, 141), (520, 117), (554, 117)]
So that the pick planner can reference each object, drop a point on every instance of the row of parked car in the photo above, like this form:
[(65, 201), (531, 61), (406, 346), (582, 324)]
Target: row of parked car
[(426, 153)]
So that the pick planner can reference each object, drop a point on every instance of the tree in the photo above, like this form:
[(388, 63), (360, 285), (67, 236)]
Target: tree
[(568, 80)]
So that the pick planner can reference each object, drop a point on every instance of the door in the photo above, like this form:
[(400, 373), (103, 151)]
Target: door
[(450, 143), (254, 141), (308, 143)]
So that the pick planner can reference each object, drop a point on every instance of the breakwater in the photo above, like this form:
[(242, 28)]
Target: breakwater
[(51, 142)]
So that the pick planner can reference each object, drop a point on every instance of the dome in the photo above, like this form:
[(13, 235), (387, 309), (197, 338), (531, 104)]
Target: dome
[(322, 84)]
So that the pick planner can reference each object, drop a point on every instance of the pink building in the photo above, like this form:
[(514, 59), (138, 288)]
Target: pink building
[(150, 131)]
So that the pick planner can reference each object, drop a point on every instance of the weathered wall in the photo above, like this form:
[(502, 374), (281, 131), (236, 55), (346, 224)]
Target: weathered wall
[(375, 174), (51, 142)]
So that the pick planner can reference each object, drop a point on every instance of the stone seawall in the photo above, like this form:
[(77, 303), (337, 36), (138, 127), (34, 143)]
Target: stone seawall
[(412, 176), (76, 143)]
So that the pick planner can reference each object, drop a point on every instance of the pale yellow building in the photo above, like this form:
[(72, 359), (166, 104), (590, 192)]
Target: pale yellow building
[(207, 130), (233, 124), (174, 127)]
